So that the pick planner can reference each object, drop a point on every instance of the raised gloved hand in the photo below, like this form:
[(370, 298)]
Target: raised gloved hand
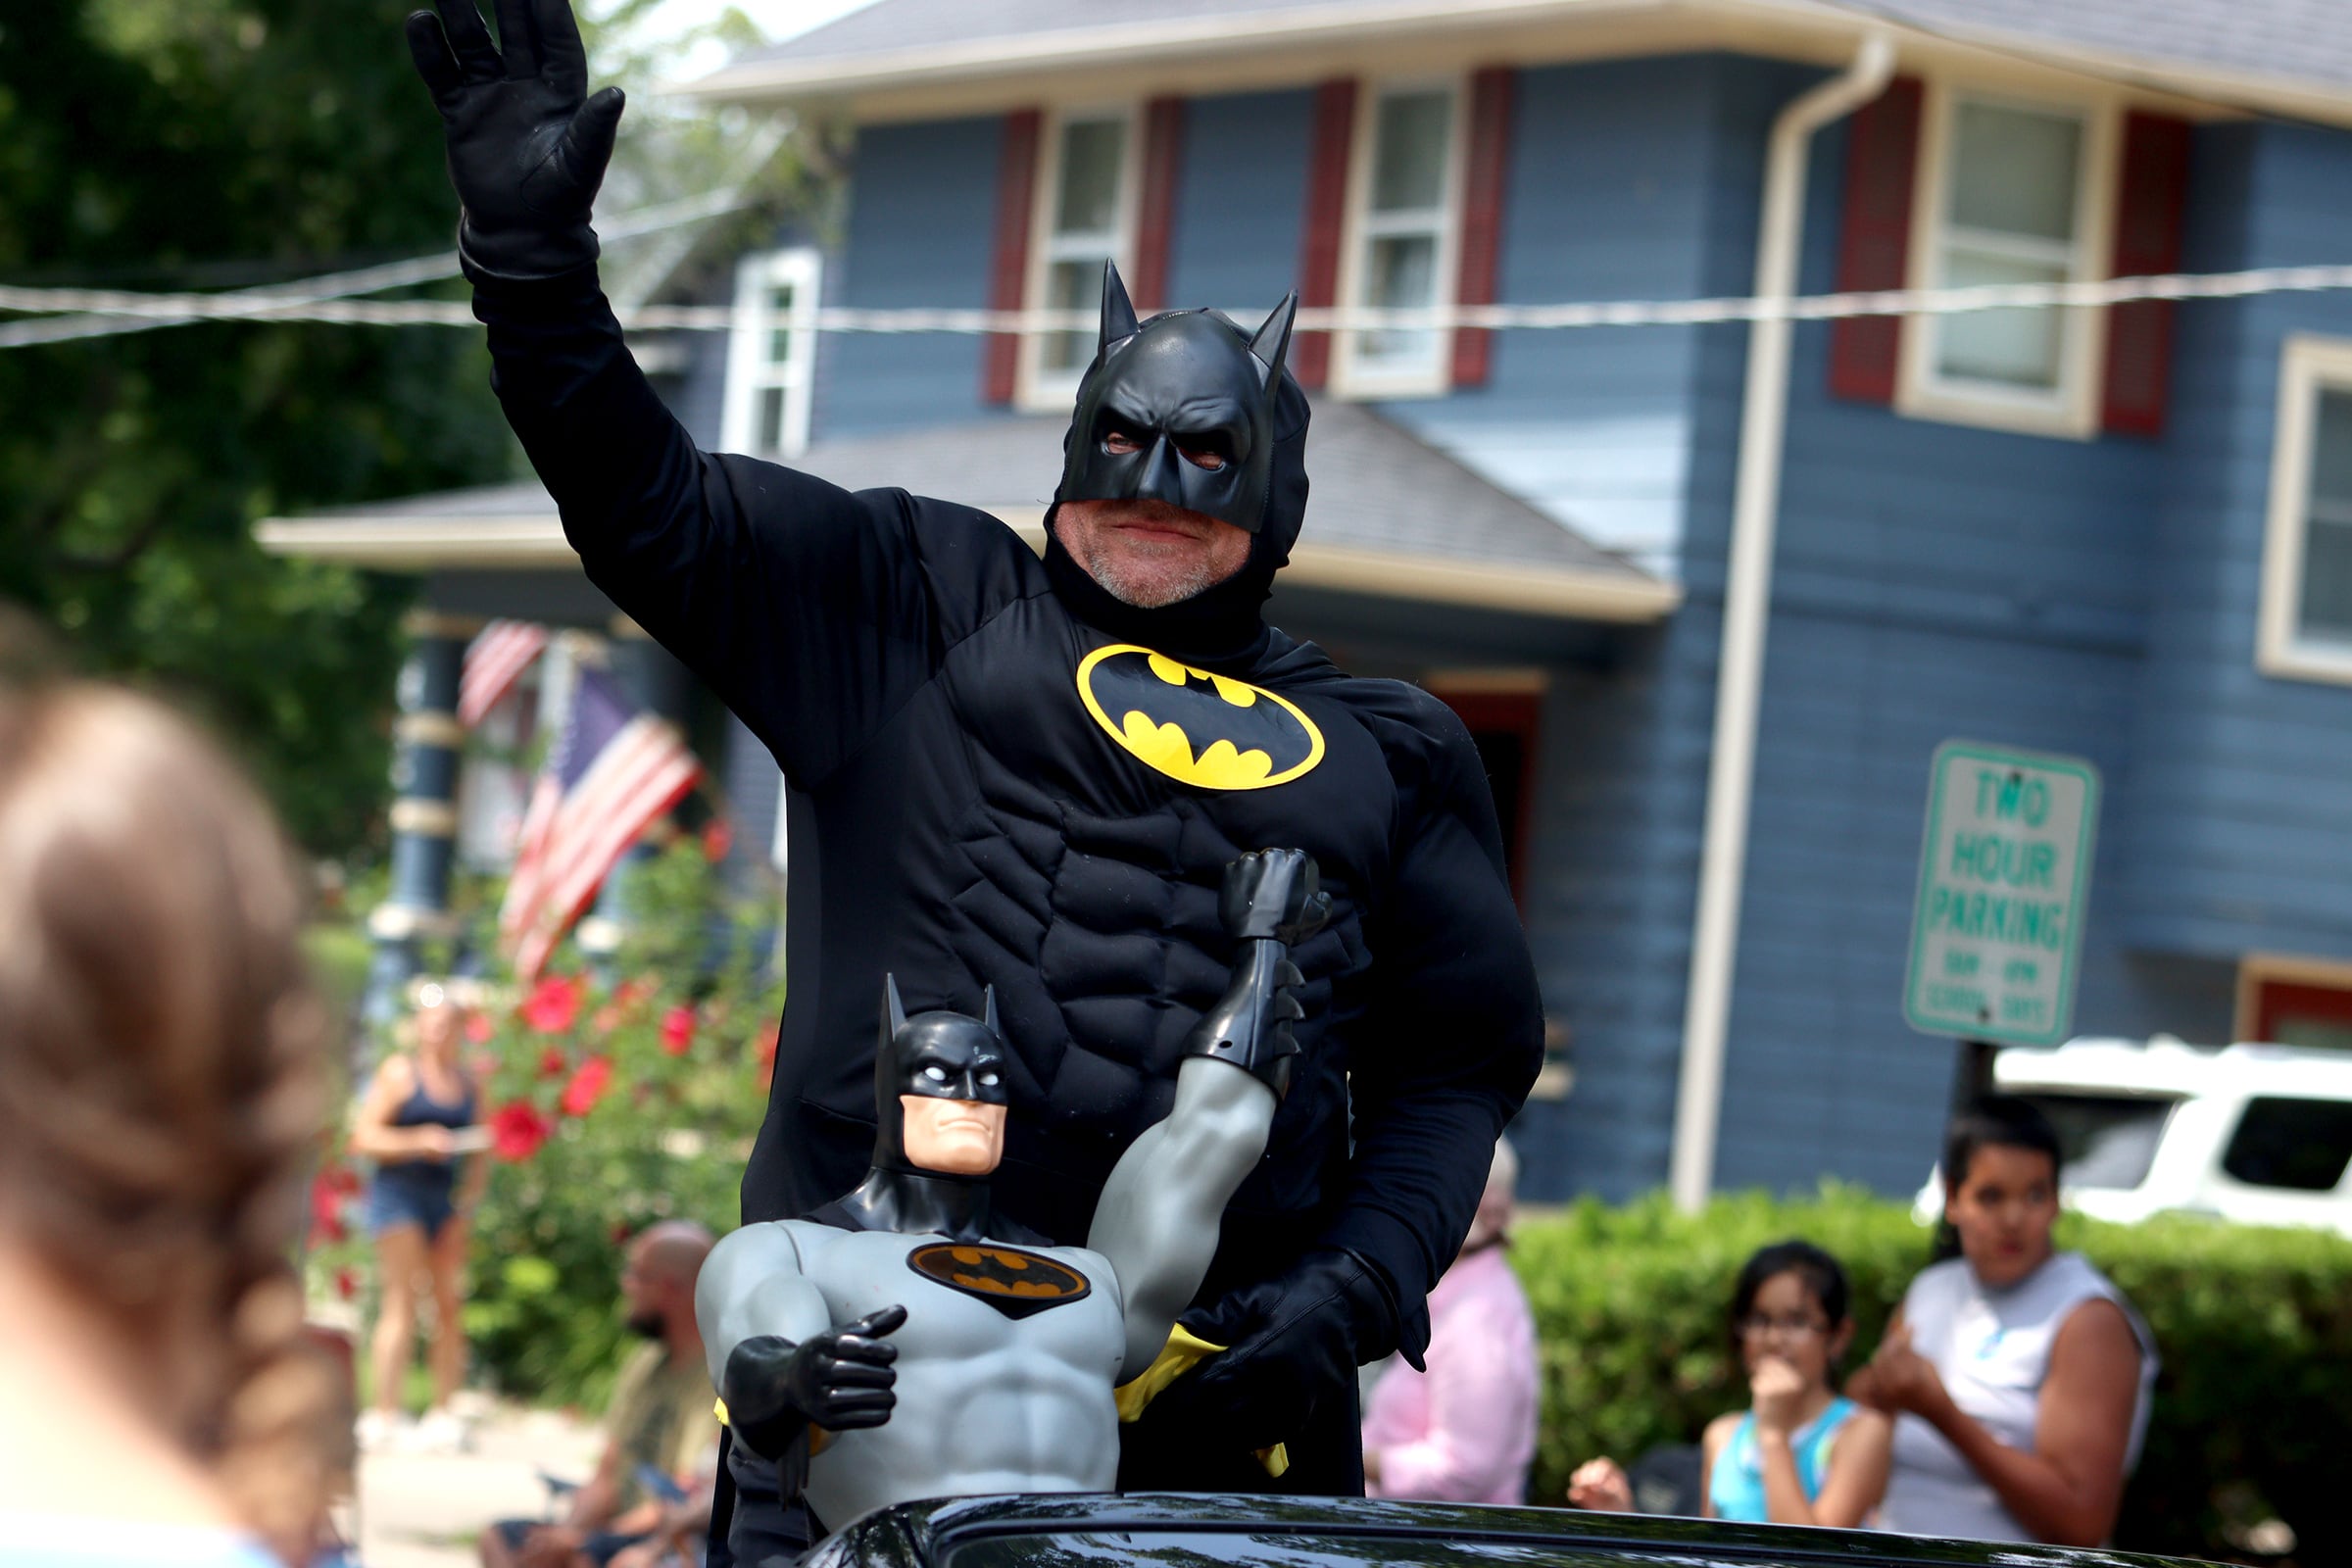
[(1291, 1342), (839, 1380), (527, 147)]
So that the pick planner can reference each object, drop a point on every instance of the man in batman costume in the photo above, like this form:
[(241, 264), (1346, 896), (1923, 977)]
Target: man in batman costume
[(1030, 775)]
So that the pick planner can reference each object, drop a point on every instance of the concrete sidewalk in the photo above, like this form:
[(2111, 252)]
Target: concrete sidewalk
[(423, 1510)]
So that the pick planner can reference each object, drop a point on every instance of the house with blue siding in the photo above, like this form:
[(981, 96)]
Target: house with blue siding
[(2121, 533)]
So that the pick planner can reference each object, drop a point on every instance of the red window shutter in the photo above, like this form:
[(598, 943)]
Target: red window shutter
[(1482, 217), (1505, 726), (1156, 208), (2150, 197), (1008, 263), (1326, 213), (1874, 238)]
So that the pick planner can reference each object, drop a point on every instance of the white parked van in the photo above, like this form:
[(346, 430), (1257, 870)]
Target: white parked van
[(2259, 1134)]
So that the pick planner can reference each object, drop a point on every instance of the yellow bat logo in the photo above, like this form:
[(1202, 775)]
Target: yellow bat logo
[(1197, 727), (1015, 1282)]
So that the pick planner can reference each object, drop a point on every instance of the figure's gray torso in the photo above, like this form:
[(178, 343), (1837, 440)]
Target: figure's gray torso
[(987, 1403)]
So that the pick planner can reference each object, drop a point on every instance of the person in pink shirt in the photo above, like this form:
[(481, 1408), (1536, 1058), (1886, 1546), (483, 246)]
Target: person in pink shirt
[(1464, 1431)]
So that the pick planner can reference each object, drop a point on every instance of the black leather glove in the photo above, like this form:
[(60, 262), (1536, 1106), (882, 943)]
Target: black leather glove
[(1291, 1342), (1273, 894), (1269, 901), (527, 147), (838, 1380)]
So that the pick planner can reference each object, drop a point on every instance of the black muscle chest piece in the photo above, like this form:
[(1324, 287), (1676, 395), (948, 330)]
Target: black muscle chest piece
[(1016, 1283)]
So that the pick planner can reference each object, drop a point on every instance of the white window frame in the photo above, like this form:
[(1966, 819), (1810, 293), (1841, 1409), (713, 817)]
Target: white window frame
[(750, 374), (1353, 374), (1038, 389), (2308, 366), (2071, 409)]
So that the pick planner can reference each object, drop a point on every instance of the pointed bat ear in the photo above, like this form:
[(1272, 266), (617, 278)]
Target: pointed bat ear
[(1272, 342), (988, 1011), (1118, 315), (894, 1014)]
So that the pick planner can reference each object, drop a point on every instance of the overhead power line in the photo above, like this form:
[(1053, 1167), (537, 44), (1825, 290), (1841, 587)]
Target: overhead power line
[(313, 306), (285, 302)]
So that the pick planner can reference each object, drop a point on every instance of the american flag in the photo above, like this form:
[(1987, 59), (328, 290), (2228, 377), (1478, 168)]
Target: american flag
[(494, 662), (614, 772)]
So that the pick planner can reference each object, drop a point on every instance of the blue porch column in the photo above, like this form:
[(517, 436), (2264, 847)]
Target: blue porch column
[(659, 685), (427, 745)]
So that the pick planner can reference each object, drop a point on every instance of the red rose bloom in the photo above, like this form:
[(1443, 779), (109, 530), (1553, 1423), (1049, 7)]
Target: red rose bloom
[(553, 1006), (588, 1085), (326, 1209), (518, 1130), (553, 1063), (677, 1030), (347, 1284)]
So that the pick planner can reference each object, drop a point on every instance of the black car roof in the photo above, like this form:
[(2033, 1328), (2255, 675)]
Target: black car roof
[(928, 1533)]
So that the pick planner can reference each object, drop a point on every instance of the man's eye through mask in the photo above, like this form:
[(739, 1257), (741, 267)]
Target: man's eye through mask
[(1201, 452), (1179, 410)]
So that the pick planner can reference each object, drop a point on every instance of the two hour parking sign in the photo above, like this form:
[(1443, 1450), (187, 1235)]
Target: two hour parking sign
[(2004, 875)]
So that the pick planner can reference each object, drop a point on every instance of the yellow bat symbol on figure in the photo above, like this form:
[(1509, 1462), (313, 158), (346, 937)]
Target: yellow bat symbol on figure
[(1015, 1280)]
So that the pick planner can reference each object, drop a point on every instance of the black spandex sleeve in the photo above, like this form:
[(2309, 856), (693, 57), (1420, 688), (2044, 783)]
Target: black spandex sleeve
[(1453, 1037), (809, 608)]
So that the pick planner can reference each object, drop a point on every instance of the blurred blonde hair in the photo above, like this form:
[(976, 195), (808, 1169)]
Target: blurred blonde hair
[(163, 1077)]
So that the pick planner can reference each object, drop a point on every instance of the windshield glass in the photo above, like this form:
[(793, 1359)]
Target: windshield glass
[(2109, 1140)]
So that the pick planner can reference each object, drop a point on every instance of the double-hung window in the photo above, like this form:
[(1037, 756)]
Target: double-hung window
[(1087, 217), (771, 353), (2306, 616), (2015, 192), (1402, 234)]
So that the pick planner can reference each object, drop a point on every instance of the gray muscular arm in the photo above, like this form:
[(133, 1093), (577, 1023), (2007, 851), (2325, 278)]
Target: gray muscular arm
[(1158, 1216), (751, 1285)]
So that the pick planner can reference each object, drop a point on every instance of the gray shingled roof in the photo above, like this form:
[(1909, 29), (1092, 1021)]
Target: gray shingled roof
[(1374, 487), (2305, 43), (2285, 41)]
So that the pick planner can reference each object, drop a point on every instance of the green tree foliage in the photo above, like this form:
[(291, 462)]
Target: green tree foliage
[(213, 144), (2254, 1326), (180, 144)]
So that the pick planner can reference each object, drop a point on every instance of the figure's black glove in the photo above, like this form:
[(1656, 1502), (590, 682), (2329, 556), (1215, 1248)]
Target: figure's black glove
[(838, 1380), (1275, 894), (1292, 1342), (1271, 899), (527, 147)]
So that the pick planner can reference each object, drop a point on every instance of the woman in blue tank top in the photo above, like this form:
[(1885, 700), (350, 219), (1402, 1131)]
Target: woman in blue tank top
[(1802, 1453), (418, 1117)]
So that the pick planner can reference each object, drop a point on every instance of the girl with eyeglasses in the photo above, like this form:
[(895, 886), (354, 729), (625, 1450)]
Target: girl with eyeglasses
[(1802, 1453)]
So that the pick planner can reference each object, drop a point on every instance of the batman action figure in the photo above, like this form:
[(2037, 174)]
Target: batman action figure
[(906, 1340), (1030, 775)]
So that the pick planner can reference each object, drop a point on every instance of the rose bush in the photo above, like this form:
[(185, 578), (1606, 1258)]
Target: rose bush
[(613, 1100)]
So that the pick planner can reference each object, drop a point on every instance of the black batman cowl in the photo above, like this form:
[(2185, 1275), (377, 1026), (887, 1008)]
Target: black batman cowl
[(1222, 623)]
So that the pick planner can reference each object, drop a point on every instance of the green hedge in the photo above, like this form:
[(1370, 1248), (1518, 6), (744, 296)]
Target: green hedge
[(2253, 1411)]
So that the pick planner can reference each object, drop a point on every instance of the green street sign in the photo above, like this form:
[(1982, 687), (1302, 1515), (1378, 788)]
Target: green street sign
[(2005, 878)]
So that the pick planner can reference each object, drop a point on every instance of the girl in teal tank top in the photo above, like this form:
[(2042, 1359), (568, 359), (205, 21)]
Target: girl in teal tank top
[(1802, 1453)]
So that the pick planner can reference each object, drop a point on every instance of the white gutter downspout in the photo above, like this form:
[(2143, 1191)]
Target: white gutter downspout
[(1747, 606)]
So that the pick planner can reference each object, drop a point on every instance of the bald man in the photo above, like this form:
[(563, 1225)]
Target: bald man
[(661, 1420)]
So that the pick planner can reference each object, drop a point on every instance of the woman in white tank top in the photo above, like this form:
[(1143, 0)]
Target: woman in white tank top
[(2019, 1376)]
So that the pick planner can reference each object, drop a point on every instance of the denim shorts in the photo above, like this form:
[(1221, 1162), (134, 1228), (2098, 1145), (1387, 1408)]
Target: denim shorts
[(394, 1200)]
